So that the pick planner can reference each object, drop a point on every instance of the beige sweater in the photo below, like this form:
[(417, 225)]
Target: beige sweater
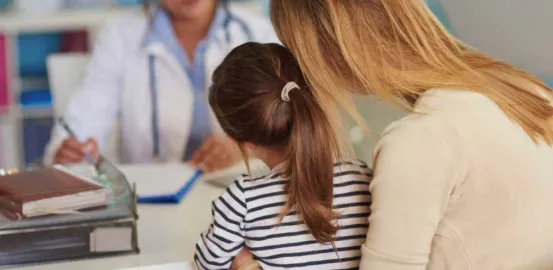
[(460, 186)]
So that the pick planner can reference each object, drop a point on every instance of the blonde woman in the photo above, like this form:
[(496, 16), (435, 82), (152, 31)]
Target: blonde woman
[(466, 180)]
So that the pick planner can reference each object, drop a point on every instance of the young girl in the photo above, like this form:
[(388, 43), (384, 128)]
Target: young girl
[(309, 212)]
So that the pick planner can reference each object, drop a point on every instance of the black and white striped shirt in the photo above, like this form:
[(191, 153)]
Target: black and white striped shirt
[(247, 215)]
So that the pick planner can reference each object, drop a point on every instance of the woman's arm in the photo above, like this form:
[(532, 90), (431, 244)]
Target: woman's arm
[(92, 110), (225, 237), (413, 180), (244, 261)]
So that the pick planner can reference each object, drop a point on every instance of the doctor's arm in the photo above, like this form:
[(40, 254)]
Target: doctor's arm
[(93, 108), (411, 189), (216, 153)]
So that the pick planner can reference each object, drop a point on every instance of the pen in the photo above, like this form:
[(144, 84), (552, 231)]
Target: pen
[(72, 134)]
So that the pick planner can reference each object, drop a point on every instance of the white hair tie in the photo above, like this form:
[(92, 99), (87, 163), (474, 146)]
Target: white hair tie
[(286, 89)]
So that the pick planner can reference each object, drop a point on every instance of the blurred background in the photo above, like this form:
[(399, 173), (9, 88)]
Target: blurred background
[(519, 32)]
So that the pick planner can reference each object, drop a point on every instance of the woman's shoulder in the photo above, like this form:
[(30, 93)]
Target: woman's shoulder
[(445, 110), (438, 121), (440, 101), (457, 121)]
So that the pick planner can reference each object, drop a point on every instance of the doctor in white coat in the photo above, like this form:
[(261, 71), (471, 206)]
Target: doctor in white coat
[(151, 73)]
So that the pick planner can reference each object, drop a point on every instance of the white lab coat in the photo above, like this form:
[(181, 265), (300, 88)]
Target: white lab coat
[(116, 87)]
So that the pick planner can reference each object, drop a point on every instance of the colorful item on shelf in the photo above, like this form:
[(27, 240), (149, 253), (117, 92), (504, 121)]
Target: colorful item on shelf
[(33, 49), (34, 98), (36, 135), (75, 41)]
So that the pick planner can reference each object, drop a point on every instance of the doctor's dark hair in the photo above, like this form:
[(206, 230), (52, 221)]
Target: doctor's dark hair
[(246, 99)]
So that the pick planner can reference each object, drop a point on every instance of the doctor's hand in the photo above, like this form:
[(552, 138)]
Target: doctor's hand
[(216, 153), (72, 151)]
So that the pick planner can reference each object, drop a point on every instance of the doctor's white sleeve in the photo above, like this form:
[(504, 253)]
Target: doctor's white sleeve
[(92, 110), (223, 240)]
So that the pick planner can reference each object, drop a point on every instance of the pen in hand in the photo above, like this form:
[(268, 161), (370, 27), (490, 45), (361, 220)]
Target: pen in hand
[(72, 134)]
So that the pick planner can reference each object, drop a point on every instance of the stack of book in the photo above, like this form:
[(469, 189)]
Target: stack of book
[(59, 214), (49, 191)]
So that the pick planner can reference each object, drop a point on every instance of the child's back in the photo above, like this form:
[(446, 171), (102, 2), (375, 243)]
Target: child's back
[(309, 213), (248, 214)]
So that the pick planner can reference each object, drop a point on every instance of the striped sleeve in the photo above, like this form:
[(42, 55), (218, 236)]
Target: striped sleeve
[(225, 237)]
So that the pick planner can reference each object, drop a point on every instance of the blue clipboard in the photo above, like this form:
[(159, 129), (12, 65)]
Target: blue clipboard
[(171, 198)]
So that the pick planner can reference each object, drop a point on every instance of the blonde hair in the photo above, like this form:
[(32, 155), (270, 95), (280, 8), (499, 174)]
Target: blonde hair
[(397, 50)]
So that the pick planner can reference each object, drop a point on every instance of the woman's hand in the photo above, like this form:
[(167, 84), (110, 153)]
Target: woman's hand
[(72, 151), (243, 257), (216, 153)]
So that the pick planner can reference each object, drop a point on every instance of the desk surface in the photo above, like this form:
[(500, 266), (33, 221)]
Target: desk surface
[(166, 233)]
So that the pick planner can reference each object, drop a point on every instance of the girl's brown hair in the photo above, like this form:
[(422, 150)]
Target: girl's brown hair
[(397, 50), (246, 98)]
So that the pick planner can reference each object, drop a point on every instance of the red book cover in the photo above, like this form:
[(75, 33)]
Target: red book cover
[(3, 72), (17, 190), (75, 41)]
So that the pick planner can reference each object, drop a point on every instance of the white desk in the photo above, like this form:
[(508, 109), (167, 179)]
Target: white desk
[(166, 233)]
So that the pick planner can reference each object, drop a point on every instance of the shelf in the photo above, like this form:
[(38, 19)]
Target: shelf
[(38, 112), (65, 20), (18, 112), (14, 21)]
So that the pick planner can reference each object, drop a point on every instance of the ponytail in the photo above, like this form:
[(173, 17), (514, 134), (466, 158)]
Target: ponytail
[(313, 149), (260, 97)]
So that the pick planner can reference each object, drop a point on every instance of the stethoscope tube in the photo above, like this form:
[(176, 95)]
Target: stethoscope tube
[(229, 18), (153, 78), (154, 103)]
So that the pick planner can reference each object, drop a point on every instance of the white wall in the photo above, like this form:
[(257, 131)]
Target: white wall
[(517, 31), (377, 116)]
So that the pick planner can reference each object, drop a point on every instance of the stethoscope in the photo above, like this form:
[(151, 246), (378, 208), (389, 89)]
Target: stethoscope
[(229, 17)]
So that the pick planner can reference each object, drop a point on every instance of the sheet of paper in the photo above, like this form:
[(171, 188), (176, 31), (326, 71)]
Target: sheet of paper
[(170, 266), (82, 171), (157, 179)]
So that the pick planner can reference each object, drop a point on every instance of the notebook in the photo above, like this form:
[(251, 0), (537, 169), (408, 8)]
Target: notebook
[(49, 191), (161, 184), (170, 182)]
